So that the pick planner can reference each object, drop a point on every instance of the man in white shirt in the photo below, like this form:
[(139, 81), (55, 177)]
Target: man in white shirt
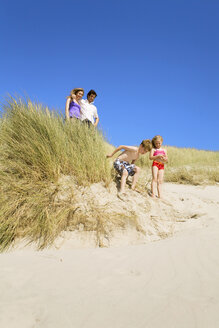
[(88, 110)]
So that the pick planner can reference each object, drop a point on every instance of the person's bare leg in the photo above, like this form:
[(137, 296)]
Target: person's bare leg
[(154, 180), (123, 180), (135, 177), (160, 182)]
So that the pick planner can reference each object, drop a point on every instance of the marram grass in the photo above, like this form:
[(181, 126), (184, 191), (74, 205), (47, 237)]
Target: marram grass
[(37, 143), (36, 148), (188, 165)]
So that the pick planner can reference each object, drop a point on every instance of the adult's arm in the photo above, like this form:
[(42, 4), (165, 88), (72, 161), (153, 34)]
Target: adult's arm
[(96, 117), (67, 108), (97, 121)]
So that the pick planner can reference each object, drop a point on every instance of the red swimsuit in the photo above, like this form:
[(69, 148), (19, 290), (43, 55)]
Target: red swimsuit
[(159, 165)]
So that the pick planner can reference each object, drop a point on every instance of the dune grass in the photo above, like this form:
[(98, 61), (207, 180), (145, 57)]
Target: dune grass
[(36, 148), (37, 143), (188, 165)]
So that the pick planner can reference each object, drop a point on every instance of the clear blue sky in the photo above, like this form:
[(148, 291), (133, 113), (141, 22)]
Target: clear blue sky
[(154, 64)]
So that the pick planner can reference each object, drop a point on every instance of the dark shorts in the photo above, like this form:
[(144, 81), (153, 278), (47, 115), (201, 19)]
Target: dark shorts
[(88, 122), (119, 166)]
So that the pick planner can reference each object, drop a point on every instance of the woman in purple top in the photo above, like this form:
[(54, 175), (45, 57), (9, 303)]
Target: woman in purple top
[(72, 107)]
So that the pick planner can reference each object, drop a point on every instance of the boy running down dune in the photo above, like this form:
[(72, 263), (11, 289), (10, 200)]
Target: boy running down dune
[(124, 164)]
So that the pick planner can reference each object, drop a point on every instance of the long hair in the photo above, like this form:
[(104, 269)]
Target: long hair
[(155, 139), (75, 91)]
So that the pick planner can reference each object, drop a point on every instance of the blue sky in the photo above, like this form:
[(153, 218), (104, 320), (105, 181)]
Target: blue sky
[(154, 64)]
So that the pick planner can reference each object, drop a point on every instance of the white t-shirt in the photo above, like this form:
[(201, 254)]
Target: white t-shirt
[(88, 111)]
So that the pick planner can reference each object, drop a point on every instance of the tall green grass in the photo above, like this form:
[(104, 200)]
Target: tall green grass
[(36, 148)]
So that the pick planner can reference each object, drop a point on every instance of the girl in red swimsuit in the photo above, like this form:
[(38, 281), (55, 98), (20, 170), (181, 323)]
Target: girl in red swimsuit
[(159, 157)]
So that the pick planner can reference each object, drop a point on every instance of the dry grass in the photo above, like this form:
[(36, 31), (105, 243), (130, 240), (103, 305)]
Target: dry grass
[(36, 147), (187, 165)]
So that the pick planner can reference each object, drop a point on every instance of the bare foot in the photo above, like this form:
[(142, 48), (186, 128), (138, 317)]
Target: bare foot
[(122, 195), (136, 190)]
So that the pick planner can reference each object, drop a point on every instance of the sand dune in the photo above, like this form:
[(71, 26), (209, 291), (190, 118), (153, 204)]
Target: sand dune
[(168, 283)]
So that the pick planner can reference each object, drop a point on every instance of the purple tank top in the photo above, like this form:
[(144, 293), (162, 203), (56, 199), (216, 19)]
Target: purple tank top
[(74, 110)]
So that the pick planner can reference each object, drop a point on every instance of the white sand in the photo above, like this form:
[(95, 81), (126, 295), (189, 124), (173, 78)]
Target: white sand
[(170, 283)]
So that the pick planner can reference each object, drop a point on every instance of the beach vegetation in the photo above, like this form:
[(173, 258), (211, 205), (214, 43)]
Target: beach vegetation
[(47, 165), (37, 147), (188, 166)]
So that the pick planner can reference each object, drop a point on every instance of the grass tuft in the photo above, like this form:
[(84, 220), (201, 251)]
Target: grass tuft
[(188, 166), (40, 153), (36, 148)]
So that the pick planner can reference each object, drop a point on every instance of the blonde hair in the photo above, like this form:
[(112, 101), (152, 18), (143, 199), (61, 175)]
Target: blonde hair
[(75, 91), (146, 144), (155, 139)]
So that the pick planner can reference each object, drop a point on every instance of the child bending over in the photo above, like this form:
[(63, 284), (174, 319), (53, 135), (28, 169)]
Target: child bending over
[(159, 157), (124, 164)]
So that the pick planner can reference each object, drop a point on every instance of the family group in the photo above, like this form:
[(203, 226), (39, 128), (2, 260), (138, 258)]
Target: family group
[(86, 111), (81, 109)]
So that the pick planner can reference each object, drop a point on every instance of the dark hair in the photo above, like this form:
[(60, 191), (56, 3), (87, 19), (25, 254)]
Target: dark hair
[(91, 92)]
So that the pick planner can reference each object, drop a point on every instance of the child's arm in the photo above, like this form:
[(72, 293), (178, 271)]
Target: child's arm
[(130, 148), (161, 158), (152, 157), (165, 157)]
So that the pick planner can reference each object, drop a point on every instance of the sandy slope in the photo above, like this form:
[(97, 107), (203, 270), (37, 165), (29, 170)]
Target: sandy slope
[(169, 283)]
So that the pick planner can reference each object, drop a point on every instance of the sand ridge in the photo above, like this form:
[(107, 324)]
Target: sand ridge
[(136, 219), (170, 283)]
